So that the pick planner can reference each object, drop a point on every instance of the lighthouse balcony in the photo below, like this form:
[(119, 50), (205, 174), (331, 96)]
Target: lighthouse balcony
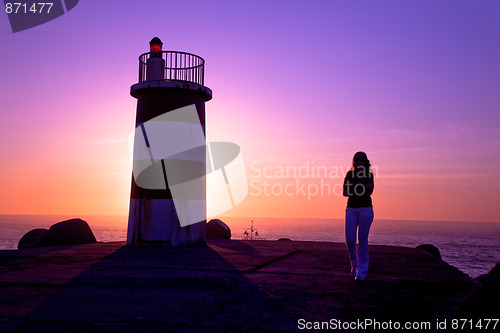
[(171, 69), (171, 65)]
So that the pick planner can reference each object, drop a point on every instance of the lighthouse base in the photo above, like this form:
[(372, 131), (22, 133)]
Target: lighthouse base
[(156, 221)]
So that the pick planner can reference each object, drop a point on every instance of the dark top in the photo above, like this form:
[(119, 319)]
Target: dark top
[(358, 186)]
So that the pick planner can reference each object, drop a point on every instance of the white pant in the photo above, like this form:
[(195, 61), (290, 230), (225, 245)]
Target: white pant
[(360, 220)]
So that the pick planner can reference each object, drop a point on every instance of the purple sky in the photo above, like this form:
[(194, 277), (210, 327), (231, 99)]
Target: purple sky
[(412, 83)]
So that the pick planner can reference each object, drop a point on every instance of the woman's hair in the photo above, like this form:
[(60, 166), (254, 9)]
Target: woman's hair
[(366, 161)]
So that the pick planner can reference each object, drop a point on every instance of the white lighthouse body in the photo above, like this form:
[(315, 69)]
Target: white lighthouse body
[(168, 194)]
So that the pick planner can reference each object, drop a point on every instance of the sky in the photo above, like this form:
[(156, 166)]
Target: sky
[(300, 86)]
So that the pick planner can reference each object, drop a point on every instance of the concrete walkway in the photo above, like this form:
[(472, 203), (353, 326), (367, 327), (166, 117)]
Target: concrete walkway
[(227, 286)]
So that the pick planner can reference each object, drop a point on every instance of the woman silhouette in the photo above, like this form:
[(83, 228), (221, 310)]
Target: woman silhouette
[(358, 187)]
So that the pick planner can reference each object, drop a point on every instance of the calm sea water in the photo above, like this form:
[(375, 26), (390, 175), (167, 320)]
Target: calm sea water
[(472, 247)]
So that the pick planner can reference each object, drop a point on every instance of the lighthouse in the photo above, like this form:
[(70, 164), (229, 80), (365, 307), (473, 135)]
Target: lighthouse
[(168, 193)]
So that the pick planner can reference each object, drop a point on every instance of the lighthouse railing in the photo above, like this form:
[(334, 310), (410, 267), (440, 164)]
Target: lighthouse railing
[(176, 65)]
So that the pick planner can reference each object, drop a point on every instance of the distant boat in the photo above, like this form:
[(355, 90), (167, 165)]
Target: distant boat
[(251, 233)]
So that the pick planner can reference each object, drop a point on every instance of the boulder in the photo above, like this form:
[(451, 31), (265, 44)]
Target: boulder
[(74, 231), (218, 229), (484, 303), (495, 270), (32, 238), (431, 249)]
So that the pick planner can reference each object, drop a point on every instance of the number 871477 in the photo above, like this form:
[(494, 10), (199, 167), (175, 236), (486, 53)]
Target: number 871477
[(35, 8)]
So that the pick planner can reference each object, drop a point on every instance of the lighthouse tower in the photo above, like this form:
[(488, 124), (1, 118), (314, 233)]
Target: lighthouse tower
[(168, 195)]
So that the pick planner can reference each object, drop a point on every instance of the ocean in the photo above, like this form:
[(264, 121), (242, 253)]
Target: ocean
[(472, 247)]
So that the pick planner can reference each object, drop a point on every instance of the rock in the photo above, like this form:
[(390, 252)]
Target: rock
[(431, 249), (218, 229), (484, 303), (32, 238), (495, 270), (74, 231)]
